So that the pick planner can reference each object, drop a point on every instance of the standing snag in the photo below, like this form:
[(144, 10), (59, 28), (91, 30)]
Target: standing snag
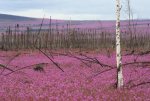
[(118, 46)]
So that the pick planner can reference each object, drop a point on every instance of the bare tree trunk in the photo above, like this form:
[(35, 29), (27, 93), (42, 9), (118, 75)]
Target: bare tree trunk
[(129, 12), (118, 46), (70, 34)]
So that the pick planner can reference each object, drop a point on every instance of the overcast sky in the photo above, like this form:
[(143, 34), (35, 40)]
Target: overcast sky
[(74, 9)]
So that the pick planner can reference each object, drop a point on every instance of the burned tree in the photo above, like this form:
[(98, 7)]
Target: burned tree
[(118, 46)]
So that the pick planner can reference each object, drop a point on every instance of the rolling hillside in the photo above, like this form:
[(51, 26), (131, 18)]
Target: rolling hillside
[(107, 25), (6, 17)]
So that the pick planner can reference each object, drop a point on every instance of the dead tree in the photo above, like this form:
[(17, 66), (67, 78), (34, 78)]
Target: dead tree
[(118, 46)]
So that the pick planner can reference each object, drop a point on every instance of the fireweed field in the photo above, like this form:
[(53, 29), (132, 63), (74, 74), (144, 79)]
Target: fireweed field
[(87, 76)]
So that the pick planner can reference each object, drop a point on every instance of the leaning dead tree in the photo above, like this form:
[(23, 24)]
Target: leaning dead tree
[(118, 46)]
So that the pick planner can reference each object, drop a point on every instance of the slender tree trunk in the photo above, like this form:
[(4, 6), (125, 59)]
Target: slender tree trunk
[(70, 34), (118, 46), (129, 12)]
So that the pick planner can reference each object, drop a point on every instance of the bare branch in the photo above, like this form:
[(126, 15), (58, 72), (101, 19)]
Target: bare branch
[(24, 68), (1, 65)]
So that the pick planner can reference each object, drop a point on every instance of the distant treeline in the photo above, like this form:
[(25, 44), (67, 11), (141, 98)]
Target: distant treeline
[(70, 38)]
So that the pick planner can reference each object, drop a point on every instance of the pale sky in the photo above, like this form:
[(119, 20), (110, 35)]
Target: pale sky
[(74, 9)]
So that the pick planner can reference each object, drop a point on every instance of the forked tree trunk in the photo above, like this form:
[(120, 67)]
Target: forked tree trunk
[(118, 46)]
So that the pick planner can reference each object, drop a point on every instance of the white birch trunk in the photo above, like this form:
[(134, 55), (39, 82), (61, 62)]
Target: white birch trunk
[(118, 47)]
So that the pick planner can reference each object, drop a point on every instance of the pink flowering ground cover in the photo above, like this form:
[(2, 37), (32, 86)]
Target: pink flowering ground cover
[(78, 82)]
